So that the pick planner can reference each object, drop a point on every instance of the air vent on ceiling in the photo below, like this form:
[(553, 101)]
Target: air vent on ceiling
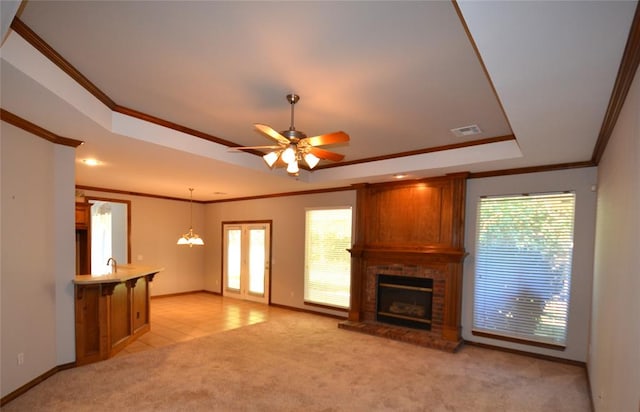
[(466, 131)]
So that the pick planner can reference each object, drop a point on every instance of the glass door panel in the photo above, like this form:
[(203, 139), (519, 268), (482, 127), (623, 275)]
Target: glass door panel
[(257, 260), (233, 258)]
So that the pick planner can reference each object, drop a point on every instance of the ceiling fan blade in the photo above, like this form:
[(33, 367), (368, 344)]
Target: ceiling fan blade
[(231, 149), (325, 154), (330, 138), (269, 132)]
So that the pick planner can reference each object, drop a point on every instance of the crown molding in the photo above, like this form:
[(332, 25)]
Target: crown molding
[(532, 169), (460, 145), (39, 44), (37, 130), (627, 71)]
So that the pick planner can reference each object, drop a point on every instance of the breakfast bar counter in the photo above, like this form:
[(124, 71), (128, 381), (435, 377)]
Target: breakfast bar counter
[(121, 274), (111, 310)]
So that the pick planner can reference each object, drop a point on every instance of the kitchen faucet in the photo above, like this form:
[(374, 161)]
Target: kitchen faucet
[(114, 264)]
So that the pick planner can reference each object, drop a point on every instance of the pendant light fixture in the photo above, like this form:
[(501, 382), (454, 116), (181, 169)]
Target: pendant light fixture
[(191, 238)]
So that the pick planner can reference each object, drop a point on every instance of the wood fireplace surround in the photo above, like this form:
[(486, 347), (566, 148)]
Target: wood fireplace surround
[(413, 229)]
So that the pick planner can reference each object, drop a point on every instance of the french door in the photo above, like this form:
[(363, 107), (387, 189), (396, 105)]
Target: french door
[(246, 260)]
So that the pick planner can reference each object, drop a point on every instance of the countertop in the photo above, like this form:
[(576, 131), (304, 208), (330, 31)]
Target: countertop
[(124, 273)]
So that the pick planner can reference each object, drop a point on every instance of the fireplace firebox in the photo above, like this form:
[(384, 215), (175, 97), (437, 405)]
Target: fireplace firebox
[(404, 301)]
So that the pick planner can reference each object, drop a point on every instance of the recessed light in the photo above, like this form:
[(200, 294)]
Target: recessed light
[(400, 176), (91, 162)]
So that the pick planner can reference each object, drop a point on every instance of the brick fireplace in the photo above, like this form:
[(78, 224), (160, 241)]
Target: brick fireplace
[(412, 230)]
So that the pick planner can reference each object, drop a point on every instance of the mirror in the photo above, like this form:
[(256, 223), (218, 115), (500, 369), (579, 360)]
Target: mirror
[(110, 233)]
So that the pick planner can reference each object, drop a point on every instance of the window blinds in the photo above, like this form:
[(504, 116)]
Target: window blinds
[(524, 252), (327, 277)]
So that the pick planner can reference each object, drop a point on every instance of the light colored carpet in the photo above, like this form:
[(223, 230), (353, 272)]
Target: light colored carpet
[(304, 362)]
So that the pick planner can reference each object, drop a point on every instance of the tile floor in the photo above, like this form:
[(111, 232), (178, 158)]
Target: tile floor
[(184, 317)]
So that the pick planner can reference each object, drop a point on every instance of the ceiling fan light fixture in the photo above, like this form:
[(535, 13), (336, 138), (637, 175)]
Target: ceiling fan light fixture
[(289, 155), (311, 159), (290, 147), (292, 168), (271, 157)]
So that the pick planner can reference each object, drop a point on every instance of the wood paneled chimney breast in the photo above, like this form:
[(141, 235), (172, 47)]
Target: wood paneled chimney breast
[(410, 229)]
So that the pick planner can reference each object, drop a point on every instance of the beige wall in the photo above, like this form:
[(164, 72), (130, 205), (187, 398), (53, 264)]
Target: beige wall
[(578, 180), (38, 250), (288, 220), (156, 225), (614, 356)]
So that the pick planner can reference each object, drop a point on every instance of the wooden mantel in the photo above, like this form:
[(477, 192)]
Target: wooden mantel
[(411, 255), (411, 229)]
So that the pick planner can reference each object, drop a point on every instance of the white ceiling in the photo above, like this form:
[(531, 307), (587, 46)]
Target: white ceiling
[(396, 76)]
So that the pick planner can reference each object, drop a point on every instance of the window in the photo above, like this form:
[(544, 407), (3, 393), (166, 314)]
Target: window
[(524, 251), (101, 243), (327, 272)]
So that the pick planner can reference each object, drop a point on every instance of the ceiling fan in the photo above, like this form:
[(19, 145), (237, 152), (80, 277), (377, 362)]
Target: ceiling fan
[(292, 145)]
